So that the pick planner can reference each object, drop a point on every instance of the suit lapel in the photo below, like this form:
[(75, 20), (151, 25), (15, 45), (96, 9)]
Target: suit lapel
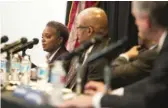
[(97, 47), (59, 53), (165, 44)]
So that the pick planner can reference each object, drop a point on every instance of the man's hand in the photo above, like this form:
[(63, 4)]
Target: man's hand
[(93, 87), (133, 52), (82, 101)]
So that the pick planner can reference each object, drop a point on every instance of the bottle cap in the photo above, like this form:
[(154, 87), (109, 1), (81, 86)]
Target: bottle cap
[(16, 55), (26, 57)]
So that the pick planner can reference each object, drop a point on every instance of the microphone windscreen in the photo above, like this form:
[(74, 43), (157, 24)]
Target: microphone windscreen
[(23, 40), (36, 41), (4, 39)]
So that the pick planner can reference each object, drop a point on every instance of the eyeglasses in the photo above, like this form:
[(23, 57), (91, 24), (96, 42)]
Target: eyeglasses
[(82, 27), (85, 27)]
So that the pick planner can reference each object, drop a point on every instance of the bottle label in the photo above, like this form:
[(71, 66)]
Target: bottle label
[(25, 68), (54, 78), (3, 71), (3, 66), (15, 67), (57, 73), (57, 78), (42, 73)]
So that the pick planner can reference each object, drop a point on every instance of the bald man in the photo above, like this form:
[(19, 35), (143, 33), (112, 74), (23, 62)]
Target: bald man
[(90, 22)]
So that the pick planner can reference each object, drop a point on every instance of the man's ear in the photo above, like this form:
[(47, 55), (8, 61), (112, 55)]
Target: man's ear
[(90, 30), (148, 23)]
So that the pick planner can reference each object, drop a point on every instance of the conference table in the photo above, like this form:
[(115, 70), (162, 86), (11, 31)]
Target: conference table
[(8, 100)]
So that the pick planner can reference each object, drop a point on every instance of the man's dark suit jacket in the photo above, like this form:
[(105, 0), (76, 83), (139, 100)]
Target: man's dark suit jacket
[(126, 72), (93, 71), (151, 92)]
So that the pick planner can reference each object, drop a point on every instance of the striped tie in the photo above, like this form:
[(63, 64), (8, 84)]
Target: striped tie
[(72, 71)]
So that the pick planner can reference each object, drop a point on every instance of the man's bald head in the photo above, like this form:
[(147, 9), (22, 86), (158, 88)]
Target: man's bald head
[(95, 20)]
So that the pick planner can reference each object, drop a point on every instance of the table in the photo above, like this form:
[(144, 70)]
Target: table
[(10, 101)]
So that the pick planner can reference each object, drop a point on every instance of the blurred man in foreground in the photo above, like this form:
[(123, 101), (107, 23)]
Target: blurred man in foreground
[(135, 64)]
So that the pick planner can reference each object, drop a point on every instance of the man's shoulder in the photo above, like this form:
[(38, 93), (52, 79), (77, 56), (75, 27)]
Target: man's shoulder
[(148, 54)]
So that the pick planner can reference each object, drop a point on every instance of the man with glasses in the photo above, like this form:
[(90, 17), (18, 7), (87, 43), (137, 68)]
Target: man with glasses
[(89, 23)]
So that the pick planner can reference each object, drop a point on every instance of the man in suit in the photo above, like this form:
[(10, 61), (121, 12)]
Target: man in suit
[(151, 92), (134, 65), (90, 22)]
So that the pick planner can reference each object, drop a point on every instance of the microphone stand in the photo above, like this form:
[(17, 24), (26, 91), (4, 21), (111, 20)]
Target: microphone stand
[(8, 69), (9, 57), (81, 67), (23, 52), (107, 77)]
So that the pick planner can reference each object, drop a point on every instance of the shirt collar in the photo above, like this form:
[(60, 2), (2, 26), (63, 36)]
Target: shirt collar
[(88, 51), (52, 56), (153, 46), (161, 41)]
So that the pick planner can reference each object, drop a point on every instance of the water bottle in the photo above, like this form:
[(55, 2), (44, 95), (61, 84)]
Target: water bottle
[(25, 70), (58, 75), (42, 76), (15, 69), (3, 70)]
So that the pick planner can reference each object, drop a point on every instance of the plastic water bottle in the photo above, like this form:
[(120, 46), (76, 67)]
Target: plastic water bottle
[(15, 69), (3, 69), (42, 76), (25, 70), (58, 75)]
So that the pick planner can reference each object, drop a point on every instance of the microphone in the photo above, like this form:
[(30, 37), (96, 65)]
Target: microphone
[(25, 46), (84, 46), (4, 39), (7, 47), (108, 50)]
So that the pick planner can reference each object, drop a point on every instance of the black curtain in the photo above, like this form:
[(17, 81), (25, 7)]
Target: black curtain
[(121, 22), (69, 3)]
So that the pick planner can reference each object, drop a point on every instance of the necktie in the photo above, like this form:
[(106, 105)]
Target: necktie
[(71, 76), (72, 71)]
